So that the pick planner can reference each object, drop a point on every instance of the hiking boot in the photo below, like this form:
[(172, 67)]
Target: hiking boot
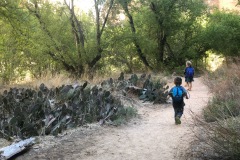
[(177, 120)]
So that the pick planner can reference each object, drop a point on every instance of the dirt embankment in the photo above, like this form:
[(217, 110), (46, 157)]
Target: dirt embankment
[(153, 135)]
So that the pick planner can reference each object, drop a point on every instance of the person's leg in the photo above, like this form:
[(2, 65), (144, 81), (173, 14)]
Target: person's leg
[(178, 116), (190, 83), (189, 86), (175, 114), (175, 111), (179, 111), (177, 120), (185, 82)]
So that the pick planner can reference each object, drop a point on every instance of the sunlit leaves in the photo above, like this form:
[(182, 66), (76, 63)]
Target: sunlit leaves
[(223, 34)]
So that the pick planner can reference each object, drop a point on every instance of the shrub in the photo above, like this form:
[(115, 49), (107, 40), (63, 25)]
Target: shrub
[(28, 112), (218, 109), (221, 134), (123, 115), (223, 138), (225, 85)]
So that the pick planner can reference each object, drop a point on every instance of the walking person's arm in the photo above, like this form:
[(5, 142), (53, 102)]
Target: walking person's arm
[(185, 93)]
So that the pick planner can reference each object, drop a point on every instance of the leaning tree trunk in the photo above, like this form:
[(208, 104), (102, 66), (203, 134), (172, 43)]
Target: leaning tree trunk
[(79, 37), (77, 30), (161, 45), (99, 32), (135, 40)]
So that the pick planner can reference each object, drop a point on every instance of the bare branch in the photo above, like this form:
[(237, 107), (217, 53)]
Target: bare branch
[(105, 19)]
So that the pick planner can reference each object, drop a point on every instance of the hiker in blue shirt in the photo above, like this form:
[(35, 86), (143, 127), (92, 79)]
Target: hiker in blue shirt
[(189, 74), (178, 93)]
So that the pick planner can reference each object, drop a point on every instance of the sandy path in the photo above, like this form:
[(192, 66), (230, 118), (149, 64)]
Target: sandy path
[(153, 136)]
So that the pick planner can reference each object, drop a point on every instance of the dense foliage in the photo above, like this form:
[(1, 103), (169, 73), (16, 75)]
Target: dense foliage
[(39, 37), (222, 33), (125, 35)]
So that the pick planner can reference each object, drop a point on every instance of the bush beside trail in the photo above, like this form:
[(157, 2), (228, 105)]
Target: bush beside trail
[(26, 112), (219, 137)]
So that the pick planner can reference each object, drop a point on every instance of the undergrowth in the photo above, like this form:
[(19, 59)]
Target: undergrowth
[(221, 123), (123, 115), (62, 103), (225, 85)]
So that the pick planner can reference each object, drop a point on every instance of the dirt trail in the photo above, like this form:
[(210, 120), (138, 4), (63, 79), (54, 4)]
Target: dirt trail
[(153, 136)]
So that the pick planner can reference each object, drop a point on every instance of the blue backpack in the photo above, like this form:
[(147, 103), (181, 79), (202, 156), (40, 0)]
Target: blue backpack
[(177, 94), (190, 72)]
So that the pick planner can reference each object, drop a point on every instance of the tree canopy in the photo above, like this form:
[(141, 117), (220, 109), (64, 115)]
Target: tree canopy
[(222, 33), (126, 35)]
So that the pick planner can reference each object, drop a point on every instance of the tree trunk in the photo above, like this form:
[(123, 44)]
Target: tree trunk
[(162, 36), (77, 30), (135, 41), (99, 32), (10, 151), (161, 45)]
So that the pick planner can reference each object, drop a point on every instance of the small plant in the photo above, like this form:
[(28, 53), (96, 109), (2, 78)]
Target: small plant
[(123, 115), (219, 110)]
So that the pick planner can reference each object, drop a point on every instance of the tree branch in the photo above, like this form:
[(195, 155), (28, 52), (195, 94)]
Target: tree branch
[(105, 19)]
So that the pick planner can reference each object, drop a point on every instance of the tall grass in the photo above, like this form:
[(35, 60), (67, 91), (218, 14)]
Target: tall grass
[(222, 130), (225, 85)]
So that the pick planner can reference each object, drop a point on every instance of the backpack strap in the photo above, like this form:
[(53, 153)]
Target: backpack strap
[(178, 87), (177, 91)]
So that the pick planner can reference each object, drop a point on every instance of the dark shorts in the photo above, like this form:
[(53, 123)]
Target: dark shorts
[(188, 79), (178, 109), (178, 105)]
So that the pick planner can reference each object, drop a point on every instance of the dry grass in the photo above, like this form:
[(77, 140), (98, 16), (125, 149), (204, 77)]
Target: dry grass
[(226, 78), (225, 84), (60, 79), (219, 136), (49, 81)]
